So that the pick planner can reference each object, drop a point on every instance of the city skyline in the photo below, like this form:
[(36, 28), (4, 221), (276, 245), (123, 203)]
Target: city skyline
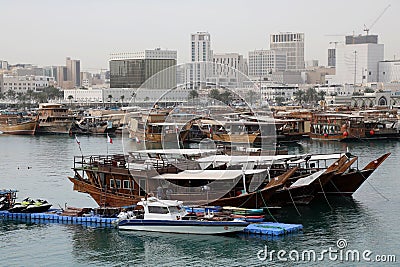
[(92, 30)]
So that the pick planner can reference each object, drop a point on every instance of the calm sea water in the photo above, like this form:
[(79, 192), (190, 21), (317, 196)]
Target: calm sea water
[(38, 167)]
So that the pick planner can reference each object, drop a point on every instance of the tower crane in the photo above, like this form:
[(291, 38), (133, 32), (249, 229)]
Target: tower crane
[(367, 29)]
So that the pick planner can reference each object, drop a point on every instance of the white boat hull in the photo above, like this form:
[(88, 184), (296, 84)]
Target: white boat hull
[(202, 228)]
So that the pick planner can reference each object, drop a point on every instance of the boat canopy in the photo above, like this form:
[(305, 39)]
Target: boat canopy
[(208, 174), (319, 157), (246, 159), (166, 123), (291, 159), (184, 151), (307, 180)]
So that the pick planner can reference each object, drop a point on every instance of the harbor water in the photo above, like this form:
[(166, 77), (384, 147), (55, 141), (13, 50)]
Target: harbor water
[(38, 166)]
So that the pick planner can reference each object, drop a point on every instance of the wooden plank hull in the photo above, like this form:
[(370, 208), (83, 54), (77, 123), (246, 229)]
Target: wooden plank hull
[(54, 127), (102, 198), (24, 128), (235, 138), (348, 183)]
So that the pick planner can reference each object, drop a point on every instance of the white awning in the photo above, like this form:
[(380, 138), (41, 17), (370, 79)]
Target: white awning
[(319, 157), (186, 151), (207, 174), (245, 159), (307, 180)]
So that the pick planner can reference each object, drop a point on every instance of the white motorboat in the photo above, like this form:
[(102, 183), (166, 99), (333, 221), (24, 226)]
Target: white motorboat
[(168, 216)]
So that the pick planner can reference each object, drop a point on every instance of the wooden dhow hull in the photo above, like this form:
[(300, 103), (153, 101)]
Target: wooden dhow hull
[(61, 127), (24, 128), (348, 183), (102, 197), (258, 198)]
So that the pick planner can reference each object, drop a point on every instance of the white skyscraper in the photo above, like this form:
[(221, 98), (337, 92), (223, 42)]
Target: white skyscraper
[(293, 45), (235, 62), (357, 60), (200, 53), (264, 62)]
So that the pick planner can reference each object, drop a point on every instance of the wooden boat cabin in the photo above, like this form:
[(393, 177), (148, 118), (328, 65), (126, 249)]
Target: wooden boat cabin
[(330, 126), (54, 118)]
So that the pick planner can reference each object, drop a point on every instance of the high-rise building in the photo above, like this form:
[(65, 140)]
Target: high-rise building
[(357, 60), (50, 71), (228, 69), (132, 70), (293, 45), (234, 61), (201, 56), (331, 57), (74, 71), (61, 75), (3, 65), (264, 62)]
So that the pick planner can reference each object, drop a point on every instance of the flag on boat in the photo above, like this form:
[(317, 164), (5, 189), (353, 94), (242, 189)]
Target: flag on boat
[(77, 140), (109, 139)]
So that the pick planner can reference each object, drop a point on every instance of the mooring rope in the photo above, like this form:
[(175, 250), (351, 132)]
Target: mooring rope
[(270, 214), (373, 187), (294, 204), (322, 188)]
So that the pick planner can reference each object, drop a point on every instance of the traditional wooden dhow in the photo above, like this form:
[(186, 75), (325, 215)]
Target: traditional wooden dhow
[(336, 127), (107, 180), (303, 190), (17, 124), (96, 125), (347, 183), (54, 119), (258, 198)]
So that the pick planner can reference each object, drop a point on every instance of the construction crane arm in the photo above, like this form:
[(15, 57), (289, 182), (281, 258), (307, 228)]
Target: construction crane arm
[(376, 20)]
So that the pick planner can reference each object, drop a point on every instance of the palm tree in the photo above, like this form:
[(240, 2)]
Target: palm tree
[(251, 96), (279, 100), (321, 95), (311, 95), (193, 94), (11, 95), (21, 97), (134, 97), (70, 97), (299, 96), (214, 94), (122, 100)]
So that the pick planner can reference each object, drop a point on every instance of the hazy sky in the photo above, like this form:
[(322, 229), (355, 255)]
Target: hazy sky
[(45, 32)]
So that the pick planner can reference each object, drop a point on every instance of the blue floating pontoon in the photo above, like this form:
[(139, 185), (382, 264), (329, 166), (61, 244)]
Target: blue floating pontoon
[(271, 228), (93, 221)]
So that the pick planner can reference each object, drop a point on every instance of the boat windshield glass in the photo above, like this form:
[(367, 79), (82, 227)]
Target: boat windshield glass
[(174, 209), (159, 210)]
